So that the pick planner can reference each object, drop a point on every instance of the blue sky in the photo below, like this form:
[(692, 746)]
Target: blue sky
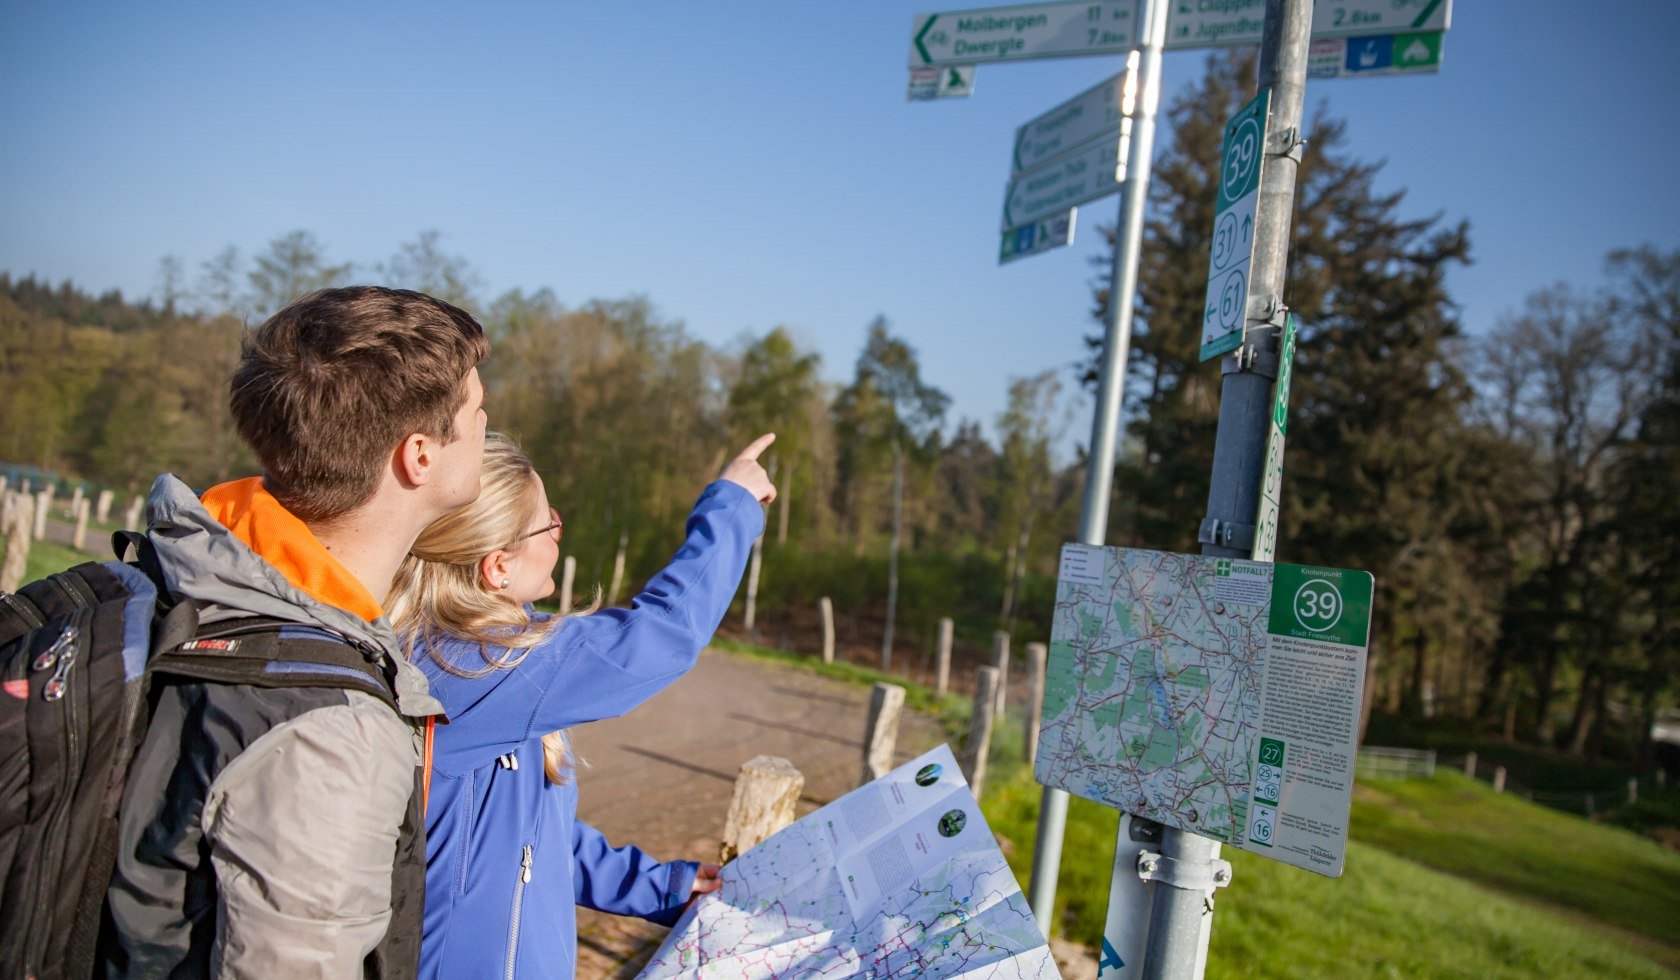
[(750, 164)]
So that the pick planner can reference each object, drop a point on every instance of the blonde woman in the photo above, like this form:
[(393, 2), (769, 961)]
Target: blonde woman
[(507, 859)]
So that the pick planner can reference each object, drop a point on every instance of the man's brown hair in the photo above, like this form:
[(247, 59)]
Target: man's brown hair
[(328, 387)]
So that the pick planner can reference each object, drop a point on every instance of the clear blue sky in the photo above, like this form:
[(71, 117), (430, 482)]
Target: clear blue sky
[(749, 164)]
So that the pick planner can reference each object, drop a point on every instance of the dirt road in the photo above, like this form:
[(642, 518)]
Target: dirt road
[(661, 778)]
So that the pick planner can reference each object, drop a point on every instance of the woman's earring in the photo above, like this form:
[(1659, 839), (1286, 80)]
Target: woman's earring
[(503, 585)]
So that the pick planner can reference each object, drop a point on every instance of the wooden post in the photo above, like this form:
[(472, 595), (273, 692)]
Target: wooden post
[(618, 568), (942, 673), (753, 564), (102, 510), (1036, 654), (979, 742), (1000, 660), (880, 733), (17, 531), (1499, 779), (79, 539), (43, 503), (1633, 790), (75, 498), (826, 606), (5, 482), (1470, 764), (568, 578), (136, 513), (766, 790)]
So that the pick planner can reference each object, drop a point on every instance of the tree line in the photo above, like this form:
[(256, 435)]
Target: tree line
[(1511, 489)]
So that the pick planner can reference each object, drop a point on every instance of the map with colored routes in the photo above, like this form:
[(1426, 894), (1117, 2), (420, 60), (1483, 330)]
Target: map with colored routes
[(1152, 691), (1214, 695), (900, 878)]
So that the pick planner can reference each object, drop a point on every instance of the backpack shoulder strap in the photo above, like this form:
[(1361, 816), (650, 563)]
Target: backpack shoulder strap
[(266, 652)]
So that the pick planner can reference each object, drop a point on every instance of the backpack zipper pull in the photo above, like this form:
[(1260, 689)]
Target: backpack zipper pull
[(50, 655), (525, 866), (60, 680)]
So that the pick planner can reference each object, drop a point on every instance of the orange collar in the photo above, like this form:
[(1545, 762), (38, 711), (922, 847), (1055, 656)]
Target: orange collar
[(247, 509)]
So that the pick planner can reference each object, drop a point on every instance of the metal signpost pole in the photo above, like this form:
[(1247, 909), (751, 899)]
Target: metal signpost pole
[(1181, 894), (1105, 426)]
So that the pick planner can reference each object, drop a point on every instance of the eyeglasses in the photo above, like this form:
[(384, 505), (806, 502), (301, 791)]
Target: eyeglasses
[(555, 528)]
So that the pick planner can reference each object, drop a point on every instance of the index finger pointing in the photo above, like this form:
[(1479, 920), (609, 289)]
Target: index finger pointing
[(757, 446)]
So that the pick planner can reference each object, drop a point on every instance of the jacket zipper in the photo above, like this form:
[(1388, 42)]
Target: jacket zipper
[(518, 900), (62, 655)]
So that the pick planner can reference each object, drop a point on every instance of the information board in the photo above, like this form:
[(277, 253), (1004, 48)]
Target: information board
[(1214, 695)]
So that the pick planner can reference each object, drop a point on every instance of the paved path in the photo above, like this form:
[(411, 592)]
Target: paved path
[(661, 778)]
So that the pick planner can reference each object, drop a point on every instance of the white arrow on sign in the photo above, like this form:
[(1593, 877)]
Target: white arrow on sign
[(1209, 23), (1039, 30), (1094, 113), (1081, 176)]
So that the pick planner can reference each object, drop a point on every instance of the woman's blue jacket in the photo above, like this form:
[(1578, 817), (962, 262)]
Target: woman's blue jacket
[(506, 857)]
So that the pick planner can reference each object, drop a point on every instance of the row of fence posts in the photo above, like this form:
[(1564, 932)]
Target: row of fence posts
[(1589, 801), (767, 788), (23, 520)]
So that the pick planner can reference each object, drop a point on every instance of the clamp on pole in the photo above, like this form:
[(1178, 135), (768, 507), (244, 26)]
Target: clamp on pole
[(1226, 534), (1198, 876), (1287, 142)]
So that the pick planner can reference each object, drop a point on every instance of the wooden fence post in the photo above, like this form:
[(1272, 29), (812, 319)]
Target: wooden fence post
[(1000, 660), (75, 498), (43, 503), (568, 579), (79, 539), (18, 531), (1470, 764), (942, 672), (766, 790), (826, 606), (979, 742), (618, 568), (136, 513), (1036, 654), (1499, 779), (1633, 790), (753, 565), (880, 732), (102, 510)]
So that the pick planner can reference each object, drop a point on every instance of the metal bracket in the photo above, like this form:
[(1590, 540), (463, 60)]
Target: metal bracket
[(1226, 534), (1287, 143), (1182, 874)]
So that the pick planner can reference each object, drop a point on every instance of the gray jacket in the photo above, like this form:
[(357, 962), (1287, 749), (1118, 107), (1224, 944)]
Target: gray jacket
[(262, 828)]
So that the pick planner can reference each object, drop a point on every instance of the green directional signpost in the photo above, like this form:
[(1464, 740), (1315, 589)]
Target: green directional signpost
[(1293, 804), (1226, 308)]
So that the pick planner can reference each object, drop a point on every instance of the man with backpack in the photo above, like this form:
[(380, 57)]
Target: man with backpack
[(270, 824)]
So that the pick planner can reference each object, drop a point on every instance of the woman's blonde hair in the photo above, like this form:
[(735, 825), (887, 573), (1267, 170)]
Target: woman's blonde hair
[(439, 593)]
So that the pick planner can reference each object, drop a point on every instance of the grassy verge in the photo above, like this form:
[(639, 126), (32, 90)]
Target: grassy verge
[(1417, 899), (1459, 826)]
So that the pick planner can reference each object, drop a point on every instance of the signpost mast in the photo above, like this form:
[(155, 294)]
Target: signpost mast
[(1105, 426), (1184, 882)]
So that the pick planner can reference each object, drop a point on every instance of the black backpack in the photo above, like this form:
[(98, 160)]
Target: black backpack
[(77, 652)]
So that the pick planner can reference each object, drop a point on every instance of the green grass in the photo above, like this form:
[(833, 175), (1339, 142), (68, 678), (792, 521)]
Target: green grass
[(1455, 882), (1457, 825)]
